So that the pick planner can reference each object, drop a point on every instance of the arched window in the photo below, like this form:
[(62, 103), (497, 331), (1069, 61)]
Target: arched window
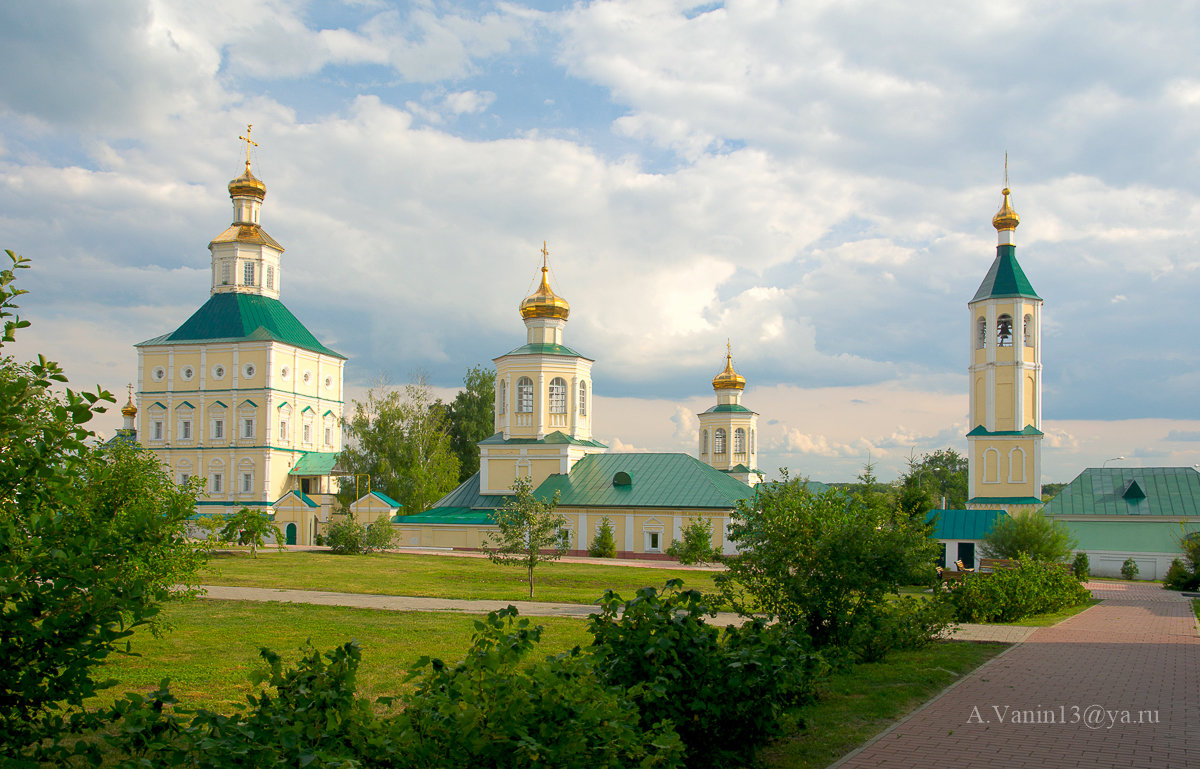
[(1027, 331), (524, 395), (751, 441), (1004, 331), (981, 333), (704, 441), (503, 396), (285, 422), (558, 395), (719, 441), (991, 466), (739, 441), (583, 399), (1016, 466)]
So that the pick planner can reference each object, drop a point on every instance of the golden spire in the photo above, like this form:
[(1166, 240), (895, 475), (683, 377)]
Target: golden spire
[(729, 379), (544, 303), (247, 185), (129, 409), (1006, 218)]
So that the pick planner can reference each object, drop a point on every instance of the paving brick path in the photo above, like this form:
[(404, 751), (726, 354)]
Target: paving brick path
[(1132, 659)]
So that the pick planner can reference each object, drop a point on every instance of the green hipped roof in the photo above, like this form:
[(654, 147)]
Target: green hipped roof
[(461, 516), (232, 317), (1029, 430), (658, 480), (1171, 491), (1004, 501), (1005, 278), (315, 463), (542, 348), (557, 437), (727, 407), (466, 496), (962, 524)]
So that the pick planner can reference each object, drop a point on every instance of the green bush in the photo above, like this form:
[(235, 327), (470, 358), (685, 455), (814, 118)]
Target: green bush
[(1007, 595), (696, 544), (1035, 535), (1081, 567), (908, 623), (1180, 577), (726, 692), (349, 537), (604, 545), (1129, 569)]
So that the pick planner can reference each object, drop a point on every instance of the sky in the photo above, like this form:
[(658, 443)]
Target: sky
[(812, 181)]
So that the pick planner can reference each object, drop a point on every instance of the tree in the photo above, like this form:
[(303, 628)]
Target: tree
[(529, 532), (939, 475), (250, 527), (696, 544), (605, 543), (1034, 535), (825, 563), (349, 537), (472, 417), (402, 442), (92, 540)]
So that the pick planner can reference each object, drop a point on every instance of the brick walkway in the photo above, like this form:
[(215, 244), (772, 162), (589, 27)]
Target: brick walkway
[(1135, 657)]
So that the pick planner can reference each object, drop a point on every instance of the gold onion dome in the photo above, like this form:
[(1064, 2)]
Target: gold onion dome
[(247, 185), (729, 379), (544, 303), (1006, 218), (129, 409)]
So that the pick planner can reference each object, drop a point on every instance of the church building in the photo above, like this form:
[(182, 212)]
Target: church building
[(242, 394), (728, 429)]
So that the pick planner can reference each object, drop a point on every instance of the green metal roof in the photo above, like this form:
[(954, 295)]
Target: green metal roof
[(1005, 278), (466, 496), (1173, 491), (980, 431), (542, 348), (300, 495), (385, 499), (461, 516), (1004, 501), (315, 463), (556, 438), (658, 480), (231, 317), (721, 408), (962, 524)]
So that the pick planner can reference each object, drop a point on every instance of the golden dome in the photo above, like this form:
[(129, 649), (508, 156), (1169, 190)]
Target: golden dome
[(544, 303), (729, 379), (1006, 218), (129, 409), (247, 185)]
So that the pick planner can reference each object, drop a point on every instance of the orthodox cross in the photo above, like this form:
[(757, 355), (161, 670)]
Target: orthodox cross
[(249, 142)]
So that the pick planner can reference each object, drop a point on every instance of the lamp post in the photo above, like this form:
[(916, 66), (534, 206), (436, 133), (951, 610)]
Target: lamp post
[(1113, 459)]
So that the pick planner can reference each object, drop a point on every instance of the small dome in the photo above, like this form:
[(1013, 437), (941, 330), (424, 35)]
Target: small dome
[(247, 185), (544, 303), (1006, 218), (129, 409), (729, 379)]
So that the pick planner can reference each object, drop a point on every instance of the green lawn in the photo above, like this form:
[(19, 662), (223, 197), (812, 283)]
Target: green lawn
[(213, 649), (439, 576)]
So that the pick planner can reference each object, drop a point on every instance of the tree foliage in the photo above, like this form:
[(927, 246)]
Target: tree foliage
[(92, 540), (1035, 535), (604, 544), (349, 537), (695, 546), (938, 475), (402, 442), (250, 527), (528, 532), (825, 563), (472, 417)]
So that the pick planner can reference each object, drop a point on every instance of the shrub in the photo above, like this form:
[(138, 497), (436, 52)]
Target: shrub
[(908, 623), (1081, 567), (605, 543), (1129, 569), (349, 537), (1035, 535), (726, 692), (696, 544), (1030, 587), (1180, 577)]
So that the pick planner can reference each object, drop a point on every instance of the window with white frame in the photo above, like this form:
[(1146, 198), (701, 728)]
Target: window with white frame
[(751, 440), (558, 395), (248, 273), (270, 276), (216, 483), (307, 432), (247, 427), (1027, 330), (156, 429), (329, 425), (503, 397), (285, 422), (719, 440), (981, 333), (185, 427), (226, 272), (218, 428), (653, 540), (524, 395), (739, 441), (583, 399), (704, 441), (247, 481)]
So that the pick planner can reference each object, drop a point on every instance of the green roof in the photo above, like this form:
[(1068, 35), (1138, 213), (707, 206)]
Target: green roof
[(542, 348), (315, 463), (1173, 491), (1005, 278), (385, 499), (657, 480), (1004, 501), (962, 524), (980, 431), (721, 408), (466, 496), (231, 317), (448, 515), (556, 438), (300, 495)]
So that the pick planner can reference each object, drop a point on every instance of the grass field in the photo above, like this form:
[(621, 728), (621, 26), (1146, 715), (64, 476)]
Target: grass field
[(213, 649), (439, 576)]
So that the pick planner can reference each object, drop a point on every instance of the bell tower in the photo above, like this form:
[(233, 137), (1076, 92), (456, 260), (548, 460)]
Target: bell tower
[(728, 430), (1004, 453)]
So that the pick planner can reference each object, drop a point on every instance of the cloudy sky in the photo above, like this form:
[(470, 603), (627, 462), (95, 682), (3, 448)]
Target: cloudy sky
[(814, 180)]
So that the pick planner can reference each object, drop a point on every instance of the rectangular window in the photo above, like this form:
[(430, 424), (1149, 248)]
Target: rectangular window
[(216, 483), (308, 433), (653, 541), (248, 428), (218, 431), (247, 482), (328, 436), (185, 429), (225, 270), (270, 276), (248, 274), (156, 430), (283, 430)]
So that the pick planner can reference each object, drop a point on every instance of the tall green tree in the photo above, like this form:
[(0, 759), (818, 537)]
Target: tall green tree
[(936, 475), (92, 540), (1033, 535), (402, 441), (529, 532), (472, 417)]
